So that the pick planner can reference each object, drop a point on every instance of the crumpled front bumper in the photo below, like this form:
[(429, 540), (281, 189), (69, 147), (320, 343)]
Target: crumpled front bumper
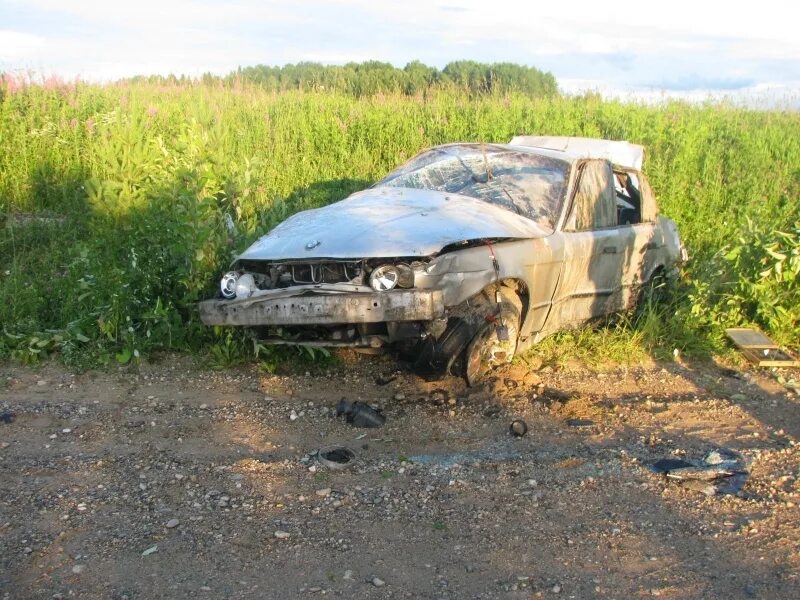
[(315, 308)]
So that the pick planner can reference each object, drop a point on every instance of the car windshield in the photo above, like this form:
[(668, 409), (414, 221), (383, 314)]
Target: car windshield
[(529, 184)]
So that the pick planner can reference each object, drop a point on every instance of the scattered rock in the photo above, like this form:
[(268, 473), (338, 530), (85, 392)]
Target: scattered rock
[(282, 535), (78, 569), (172, 523), (377, 582)]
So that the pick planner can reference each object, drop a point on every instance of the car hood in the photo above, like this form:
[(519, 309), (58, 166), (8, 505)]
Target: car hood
[(389, 222)]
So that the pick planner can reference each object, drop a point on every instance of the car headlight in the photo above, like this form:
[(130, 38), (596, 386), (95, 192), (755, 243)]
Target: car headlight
[(228, 285), (237, 285), (245, 286), (388, 277)]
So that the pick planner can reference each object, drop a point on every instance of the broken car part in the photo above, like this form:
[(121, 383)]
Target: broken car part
[(336, 458), (359, 414), (462, 257), (518, 428), (722, 471), (761, 350)]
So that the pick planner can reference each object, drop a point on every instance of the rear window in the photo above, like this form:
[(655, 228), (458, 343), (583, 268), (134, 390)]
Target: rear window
[(528, 184)]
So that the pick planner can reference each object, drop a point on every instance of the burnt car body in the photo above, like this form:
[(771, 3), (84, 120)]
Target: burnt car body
[(464, 256)]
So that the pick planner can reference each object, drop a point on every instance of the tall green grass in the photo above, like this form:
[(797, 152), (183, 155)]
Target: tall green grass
[(137, 185)]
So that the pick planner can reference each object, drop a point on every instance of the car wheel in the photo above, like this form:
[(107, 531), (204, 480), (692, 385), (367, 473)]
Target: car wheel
[(655, 289), (489, 349), (436, 358)]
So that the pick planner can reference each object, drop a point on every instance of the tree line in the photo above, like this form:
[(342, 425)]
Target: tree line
[(374, 77)]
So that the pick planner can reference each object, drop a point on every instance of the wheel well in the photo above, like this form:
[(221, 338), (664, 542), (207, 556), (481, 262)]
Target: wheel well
[(521, 290), (658, 271)]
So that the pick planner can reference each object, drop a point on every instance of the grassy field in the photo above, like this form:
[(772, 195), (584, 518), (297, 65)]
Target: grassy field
[(114, 202)]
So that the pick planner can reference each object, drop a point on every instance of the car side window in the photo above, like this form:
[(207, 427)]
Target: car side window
[(594, 204), (628, 197)]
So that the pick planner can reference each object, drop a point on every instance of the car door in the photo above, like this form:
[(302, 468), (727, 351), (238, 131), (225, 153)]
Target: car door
[(637, 226), (594, 250)]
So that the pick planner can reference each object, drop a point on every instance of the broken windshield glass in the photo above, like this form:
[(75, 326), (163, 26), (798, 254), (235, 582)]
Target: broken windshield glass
[(528, 184)]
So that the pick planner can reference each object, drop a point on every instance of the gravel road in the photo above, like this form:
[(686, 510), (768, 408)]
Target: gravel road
[(173, 481)]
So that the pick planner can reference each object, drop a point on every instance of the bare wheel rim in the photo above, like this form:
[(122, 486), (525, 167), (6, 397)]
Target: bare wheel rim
[(486, 351)]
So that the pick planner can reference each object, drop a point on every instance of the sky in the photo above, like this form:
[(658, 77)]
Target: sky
[(691, 49)]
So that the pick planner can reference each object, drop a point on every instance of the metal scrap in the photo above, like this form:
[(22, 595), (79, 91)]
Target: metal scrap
[(721, 472)]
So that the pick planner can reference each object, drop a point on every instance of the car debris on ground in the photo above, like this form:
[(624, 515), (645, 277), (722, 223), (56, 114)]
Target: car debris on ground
[(359, 414), (722, 471), (761, 350), (518, 428)]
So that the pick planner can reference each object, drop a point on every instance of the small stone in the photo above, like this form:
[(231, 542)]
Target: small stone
[(78, 569), (172, 523), (293, 416), (66, 430), (399, 396), (282, 535), (203, 407), (377, 582), (323, 492), (41, 382), (556, 589), (348, 575)]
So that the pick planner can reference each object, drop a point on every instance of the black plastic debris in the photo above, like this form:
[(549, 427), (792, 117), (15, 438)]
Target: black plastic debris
[(665, 465), (580, 422), (7, 417), (518, 428), (721, 472), (336, 458), (359, 414)]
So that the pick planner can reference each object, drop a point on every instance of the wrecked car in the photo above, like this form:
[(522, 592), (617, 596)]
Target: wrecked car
[(462, 257)]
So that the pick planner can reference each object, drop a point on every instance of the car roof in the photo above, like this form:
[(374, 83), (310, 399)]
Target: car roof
[(621, 153), (556, 154)]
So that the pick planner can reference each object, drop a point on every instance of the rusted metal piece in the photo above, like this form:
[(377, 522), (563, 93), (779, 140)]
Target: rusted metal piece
[(759, 349), (325, 309)]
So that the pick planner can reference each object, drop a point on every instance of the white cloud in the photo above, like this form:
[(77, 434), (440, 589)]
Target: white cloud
[(18, 45), (681, 42)]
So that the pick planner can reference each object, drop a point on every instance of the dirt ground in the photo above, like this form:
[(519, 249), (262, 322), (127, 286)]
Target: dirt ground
[(171, 481)]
